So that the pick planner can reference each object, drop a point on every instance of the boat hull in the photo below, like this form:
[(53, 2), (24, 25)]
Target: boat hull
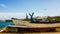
[(35, 26), (37, 29)]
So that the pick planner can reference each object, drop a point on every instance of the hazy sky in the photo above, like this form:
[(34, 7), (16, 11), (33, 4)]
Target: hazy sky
[(18, 8)]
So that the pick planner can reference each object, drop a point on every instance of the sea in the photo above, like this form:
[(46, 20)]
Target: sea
[(4, 24)]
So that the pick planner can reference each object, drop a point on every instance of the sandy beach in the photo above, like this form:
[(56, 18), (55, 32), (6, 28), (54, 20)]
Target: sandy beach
[(34, 33)]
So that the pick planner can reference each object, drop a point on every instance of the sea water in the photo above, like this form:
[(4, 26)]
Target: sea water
[(4, 24)]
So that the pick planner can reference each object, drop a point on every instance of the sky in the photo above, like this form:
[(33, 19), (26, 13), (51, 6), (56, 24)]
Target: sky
[(19, 8)]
